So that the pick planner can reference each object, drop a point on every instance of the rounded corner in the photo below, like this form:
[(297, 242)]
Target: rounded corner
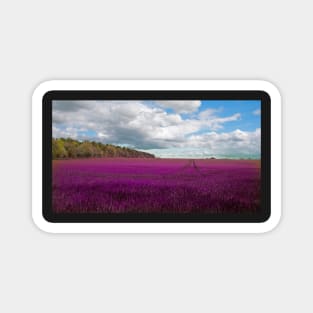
[(42, 223), (42, 89), (270, 88), (271, 223)]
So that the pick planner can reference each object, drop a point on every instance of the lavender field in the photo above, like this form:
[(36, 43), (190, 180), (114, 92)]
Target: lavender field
[(139, 185)]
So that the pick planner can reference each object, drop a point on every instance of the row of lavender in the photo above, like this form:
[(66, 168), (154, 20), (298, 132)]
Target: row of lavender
[(118, 185)]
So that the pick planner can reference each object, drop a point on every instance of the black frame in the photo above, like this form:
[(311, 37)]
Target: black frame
[(258, 217)]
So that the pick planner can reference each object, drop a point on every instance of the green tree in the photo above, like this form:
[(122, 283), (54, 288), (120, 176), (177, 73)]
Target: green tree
[(58, 149)]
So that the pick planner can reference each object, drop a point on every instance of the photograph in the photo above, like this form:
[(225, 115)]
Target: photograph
[(156, 156)]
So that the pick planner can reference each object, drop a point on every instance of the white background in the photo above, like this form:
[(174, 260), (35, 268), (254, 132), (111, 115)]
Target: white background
[(43, 40)]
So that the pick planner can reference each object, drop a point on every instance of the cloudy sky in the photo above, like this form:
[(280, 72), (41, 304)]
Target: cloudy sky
[(190, 129)]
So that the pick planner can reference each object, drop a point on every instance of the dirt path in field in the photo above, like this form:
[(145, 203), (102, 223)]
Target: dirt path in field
[(195, 166), (190, 166)]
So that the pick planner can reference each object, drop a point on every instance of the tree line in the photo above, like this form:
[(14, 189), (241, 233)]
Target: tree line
[(63, 148)]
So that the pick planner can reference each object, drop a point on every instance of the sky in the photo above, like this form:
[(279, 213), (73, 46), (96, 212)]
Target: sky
[(172, 129)]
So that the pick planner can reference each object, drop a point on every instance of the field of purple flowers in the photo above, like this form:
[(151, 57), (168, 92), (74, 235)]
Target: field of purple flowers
[(120, 185)]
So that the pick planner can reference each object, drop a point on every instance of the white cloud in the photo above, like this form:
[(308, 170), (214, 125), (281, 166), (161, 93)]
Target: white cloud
[(256, 112), (206, 114), (65, 133), (101, 135), (236, 144), (188, 106), (232, 142)]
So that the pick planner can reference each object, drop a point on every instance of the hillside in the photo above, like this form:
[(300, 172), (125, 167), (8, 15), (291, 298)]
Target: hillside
[(69, 148)]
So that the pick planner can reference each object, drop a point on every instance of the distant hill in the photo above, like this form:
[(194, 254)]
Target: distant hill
[(64, 148)]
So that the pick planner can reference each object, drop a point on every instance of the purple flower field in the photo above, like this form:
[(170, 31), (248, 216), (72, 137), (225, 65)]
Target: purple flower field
[(138, 185)]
